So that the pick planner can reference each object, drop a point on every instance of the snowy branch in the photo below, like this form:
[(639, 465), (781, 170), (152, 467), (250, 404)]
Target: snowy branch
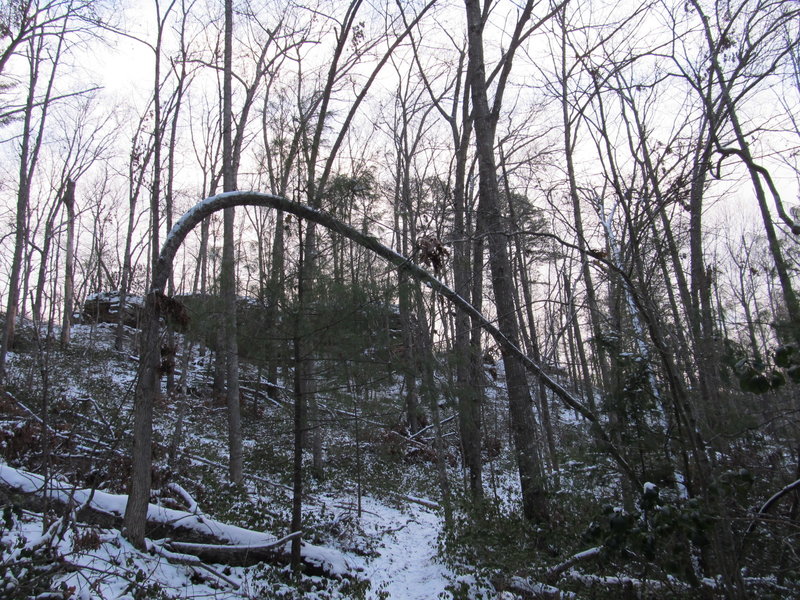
[(771, 502), (555, 572), (231, 199)]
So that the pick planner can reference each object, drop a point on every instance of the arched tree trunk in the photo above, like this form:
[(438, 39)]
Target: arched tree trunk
[(147, 380)]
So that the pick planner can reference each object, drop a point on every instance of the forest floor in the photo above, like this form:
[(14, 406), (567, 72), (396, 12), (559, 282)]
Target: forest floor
[(387, 546), (401, 564), (390, 550), (407, 564)]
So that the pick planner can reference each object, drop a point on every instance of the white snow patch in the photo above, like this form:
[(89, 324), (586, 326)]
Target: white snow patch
[(333, 560), (407, 567)]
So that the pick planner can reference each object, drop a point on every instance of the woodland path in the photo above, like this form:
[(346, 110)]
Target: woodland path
[(406, 541)]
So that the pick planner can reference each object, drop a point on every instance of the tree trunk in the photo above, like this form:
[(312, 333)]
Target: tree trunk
[(569, 152), (534, 497), (228, 276), (429, 392), (273, 299), (147, 390), (529, 333), (468, 359), (300, 420), (69, 285), (29, 157)]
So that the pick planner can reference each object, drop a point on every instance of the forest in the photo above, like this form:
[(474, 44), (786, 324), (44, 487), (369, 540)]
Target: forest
[(411, 299)]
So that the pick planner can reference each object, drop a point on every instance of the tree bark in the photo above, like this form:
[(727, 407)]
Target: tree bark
[(534, 497), (69, 267), (228, 276)]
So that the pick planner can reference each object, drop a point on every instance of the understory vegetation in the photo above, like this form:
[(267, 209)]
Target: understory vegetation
[(399, 299), (66, 414)]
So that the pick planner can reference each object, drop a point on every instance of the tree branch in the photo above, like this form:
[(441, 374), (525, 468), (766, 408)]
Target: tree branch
[(230, 199)]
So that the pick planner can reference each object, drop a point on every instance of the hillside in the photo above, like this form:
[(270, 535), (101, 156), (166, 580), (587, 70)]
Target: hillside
[(372, 521), (398, 299), (373, 530)]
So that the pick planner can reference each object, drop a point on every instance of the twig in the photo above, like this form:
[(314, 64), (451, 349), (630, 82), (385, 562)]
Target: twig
[(211, 463), (424, 429)]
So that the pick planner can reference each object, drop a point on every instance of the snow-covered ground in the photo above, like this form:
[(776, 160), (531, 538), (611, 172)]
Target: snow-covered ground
[(394, 545), (395, 549), (406, 566)]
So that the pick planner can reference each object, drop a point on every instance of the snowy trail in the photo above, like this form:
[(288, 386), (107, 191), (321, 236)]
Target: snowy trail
[(407, 568)]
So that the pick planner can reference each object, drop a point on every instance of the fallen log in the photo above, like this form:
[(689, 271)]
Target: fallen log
[(181, 531), (421, 501), (241, 554), (527, 589), (190, 561)]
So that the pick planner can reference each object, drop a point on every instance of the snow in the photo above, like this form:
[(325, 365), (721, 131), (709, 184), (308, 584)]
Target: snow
[(190, 502), (112, 297), (400, 531), (239, 537), (334, 561), (406, 567), (538, 590)]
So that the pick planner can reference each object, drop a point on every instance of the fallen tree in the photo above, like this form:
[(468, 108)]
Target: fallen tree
[(177, 531), (157, 305)]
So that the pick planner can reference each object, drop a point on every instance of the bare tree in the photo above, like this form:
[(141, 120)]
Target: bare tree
[(43, 61), (453, 105), (757, 57), (228, 283), (534, 498)]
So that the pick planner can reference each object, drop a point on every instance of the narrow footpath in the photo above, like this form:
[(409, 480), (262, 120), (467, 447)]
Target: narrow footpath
[(407, 567)]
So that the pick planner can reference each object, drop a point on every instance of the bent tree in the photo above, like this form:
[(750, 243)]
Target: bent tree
[(156, 304)]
